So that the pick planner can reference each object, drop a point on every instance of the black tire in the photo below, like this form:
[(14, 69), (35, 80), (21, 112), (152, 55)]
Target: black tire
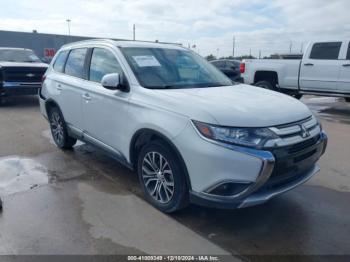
[(347, 99), (63, 140), (3, 101), (298, 96), (179, 197), (265, 85)]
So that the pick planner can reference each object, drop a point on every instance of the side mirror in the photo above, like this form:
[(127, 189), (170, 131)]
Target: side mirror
[(111, 81)]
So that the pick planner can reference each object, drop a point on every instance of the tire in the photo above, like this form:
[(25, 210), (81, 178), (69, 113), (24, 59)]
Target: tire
[(59, 130), (347, 99), (265, 85), (3, 101), (298, 96), (169, 187)]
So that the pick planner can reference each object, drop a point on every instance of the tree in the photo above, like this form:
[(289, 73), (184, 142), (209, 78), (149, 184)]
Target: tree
[(210, 57)]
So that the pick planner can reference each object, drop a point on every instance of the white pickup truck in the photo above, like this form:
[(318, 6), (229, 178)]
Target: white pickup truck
[(323, 70)]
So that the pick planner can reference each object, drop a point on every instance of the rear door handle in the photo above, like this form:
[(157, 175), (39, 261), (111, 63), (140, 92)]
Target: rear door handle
[(346, 65), (59, 87), (87, 97), (308, 64)]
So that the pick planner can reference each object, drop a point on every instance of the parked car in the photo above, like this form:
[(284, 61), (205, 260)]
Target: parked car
[(191, 135), (21, 72), (323, 70), (230, 68)]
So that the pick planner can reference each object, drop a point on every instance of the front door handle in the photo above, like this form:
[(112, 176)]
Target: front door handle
[(59, 87), (346, 65), (87, 97), (308, 64)]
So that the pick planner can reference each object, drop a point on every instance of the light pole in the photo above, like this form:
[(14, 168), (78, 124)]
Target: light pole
[(134, 32), (68, 22)]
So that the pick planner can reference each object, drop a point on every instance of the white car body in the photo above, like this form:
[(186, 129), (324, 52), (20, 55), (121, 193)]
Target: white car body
[(311, 75), (113, 119)]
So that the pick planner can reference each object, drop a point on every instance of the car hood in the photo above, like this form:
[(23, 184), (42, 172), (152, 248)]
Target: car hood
[(238, 105), (22, 64)]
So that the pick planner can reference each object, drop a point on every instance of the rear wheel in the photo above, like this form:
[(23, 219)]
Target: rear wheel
[(161, 177), (59, 130), (298, 96), (347, 99), (266, 85)]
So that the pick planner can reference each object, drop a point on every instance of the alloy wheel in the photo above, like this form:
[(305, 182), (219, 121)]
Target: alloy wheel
[(57, 127), (158, 177)]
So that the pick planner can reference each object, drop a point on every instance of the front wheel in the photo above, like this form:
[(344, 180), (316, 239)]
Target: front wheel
[(59, 130), (161, 177)]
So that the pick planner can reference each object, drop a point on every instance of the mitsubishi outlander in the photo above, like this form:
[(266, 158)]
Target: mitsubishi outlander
[(191, 134)]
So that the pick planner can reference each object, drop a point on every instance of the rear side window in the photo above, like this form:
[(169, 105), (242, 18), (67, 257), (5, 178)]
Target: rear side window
[(326, 51), (103, 62), (75, 63), (60, 61), (348, 54)]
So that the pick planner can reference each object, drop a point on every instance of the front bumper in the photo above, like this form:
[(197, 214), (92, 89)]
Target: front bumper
[(19, 88), (280, 173)]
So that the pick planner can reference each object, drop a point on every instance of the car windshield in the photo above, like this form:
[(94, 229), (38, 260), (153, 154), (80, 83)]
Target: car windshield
[(13, 55), (165, 68)]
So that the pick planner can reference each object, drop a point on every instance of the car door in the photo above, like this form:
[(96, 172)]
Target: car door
[(320, 67), (344, 73), (69, 85), (104, 111)]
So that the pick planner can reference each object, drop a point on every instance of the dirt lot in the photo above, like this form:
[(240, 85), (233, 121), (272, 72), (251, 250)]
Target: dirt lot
[(84, 202)]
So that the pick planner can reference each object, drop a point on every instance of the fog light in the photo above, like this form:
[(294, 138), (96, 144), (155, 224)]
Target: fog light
[(228, 189)]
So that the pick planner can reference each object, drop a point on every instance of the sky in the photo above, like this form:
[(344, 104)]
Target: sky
[(266, 26)]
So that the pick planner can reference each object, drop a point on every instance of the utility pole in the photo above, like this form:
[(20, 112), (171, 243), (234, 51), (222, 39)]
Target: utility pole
[(250, 52), (259, 54), (68, 23), (301, 47), (233, 47), (290, 47), (134, 32), (217, 50)]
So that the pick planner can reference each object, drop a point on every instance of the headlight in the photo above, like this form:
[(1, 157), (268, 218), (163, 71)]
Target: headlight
[(247, 136)]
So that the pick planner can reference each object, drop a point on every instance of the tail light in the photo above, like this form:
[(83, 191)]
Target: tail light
[(242, 68)]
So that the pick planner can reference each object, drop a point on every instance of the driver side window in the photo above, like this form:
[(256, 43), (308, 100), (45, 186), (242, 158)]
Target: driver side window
[(103, 62)]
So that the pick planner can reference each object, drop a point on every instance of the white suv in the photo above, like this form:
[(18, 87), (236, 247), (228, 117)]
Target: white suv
[(189, 132)]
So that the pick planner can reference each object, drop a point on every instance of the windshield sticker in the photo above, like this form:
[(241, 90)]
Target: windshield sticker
[(146, 60)]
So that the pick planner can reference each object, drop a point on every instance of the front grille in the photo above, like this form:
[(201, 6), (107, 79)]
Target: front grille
[(297, 134), (297, 158), (302, 145), (23, 74)]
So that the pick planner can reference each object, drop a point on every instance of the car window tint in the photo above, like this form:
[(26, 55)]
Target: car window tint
[(75, 62), (60, 61), (348, 54), (103, 62), (326, 51), (220, 64)]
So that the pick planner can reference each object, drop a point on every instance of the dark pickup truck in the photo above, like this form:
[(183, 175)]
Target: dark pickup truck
[(21, 72)]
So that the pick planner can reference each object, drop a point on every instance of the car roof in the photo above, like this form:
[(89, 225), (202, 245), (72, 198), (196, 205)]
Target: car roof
[(123, 43)]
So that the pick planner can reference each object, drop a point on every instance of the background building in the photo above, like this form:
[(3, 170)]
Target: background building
[(44, 45)]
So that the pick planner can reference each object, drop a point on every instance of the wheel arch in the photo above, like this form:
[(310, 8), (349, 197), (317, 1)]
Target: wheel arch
[(145, 135), (266, 75), (50, 103)]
